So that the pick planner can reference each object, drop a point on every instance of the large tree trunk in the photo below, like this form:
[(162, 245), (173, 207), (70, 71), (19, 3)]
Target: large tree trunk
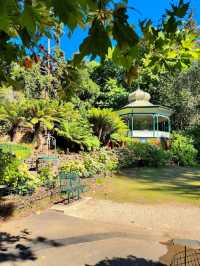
[(39, 141), (13, 133), (100, 133), (39, 138)]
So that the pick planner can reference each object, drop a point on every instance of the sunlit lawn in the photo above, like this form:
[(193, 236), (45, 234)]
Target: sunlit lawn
[(150, 185)]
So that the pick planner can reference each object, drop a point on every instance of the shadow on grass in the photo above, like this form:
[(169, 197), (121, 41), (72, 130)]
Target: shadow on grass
[(128, 261), (175, 180)]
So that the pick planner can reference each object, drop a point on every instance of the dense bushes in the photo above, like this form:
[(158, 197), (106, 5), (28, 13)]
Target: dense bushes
[(19, 179), (194, 132), (15, 174), (105, 160), (182, 150), (142, 154), (46, 177), (93, 163)]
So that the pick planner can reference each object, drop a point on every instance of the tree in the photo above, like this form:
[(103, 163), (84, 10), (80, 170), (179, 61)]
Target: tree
[(107, 125), (43, 115), (170, 46), (77, 132), (28, 21), (75, 129), (112, 95), (33, 81), (113, 88), (101, 73), (87, 90), (14, 115), (24, 22), (179, 91)]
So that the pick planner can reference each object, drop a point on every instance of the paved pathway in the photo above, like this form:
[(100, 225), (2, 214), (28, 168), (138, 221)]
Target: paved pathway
[(55, 239), (170, 220)]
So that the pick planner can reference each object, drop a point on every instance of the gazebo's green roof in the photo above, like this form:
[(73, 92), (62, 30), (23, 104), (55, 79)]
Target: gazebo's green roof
[(139, 103)]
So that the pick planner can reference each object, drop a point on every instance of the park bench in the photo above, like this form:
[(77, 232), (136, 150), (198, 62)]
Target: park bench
[(70, 185)]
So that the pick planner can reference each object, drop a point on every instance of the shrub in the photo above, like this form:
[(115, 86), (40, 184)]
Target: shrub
[(194, 132), (182, 150), (46, 177), (74, 165), (16, 175), (106, 158), (126, 157), (6, 160), (93, 163), (24, 182), (150, 154), (142, 154)]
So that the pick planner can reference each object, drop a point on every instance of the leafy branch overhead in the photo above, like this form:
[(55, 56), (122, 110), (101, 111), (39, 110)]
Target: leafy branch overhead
[(172, 44)]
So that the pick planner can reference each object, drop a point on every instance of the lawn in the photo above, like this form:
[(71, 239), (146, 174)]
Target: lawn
[(22, 151), (150, 185)]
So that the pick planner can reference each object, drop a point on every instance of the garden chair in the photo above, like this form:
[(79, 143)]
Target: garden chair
[(70, 185)]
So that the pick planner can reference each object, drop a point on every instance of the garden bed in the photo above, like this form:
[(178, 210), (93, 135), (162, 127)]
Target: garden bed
[(16, 205)]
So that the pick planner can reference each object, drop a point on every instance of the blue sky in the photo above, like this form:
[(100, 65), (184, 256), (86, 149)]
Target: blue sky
[(148, 9)]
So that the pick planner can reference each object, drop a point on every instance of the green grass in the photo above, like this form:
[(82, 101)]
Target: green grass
[(22, 152), (150, 185)]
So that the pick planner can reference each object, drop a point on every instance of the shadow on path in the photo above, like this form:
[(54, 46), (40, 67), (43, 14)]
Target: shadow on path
[(20, 247), (128, 261), (23, 247)]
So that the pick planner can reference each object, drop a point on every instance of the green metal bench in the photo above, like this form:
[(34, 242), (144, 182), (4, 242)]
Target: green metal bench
[(70, 185)]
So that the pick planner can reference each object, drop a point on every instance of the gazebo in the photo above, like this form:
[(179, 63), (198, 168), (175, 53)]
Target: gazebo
[(144, 119)]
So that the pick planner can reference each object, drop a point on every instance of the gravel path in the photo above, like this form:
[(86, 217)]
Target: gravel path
[(163, 219)]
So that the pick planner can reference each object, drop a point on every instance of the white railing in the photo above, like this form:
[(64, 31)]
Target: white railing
[(148, 134)]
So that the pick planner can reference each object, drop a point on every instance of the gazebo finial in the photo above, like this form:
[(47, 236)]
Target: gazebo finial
[(139, 98)]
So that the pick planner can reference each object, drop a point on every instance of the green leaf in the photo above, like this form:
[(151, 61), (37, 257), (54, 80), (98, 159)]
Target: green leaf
[(96, 44), (122, 32), (125, 57), (34, 120), (179, 10)]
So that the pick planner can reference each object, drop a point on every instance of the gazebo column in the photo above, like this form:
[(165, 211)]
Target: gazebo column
[(154, 124), (169, 125), (157, 126), (132, 125), (128, 124)]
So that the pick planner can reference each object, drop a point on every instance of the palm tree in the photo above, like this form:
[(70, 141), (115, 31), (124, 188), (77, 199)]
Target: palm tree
[(14, 114), (43, 115), (107, 125)]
